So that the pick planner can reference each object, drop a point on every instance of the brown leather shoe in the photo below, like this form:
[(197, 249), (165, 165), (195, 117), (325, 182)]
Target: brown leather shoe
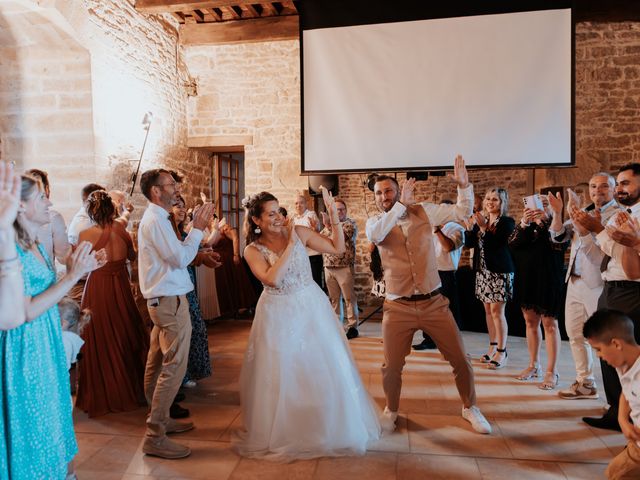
[(164, 448), (174, 426)]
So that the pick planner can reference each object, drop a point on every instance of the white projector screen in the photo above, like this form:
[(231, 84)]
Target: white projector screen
[(410, 95)]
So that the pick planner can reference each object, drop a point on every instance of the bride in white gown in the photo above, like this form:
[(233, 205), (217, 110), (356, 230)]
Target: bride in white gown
[(300, 390)]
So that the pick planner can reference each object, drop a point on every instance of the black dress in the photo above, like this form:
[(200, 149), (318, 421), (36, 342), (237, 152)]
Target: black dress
[(539, 280)]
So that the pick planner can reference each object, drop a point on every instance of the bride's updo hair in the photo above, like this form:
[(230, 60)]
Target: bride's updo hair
[(253, 206)]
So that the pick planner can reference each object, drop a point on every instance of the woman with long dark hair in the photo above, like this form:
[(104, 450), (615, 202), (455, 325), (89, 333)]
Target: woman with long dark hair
[(111, 372), (301, 394)]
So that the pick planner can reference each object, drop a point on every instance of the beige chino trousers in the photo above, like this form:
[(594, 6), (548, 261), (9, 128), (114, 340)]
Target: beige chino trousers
[(400, 319), (167, 359)]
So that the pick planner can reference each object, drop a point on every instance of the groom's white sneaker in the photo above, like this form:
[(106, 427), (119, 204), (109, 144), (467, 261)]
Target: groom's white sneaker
[(474, 416), (388, 420)]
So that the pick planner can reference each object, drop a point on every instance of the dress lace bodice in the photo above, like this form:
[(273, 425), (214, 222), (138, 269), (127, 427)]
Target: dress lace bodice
[(298, 275)]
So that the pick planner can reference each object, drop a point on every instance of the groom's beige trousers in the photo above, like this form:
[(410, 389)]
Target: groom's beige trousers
[(401, 318)]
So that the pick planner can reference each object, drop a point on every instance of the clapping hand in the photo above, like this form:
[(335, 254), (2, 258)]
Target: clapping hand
[(574, 199), (460, 174), (626, 230), (83, 260), (9, 195), (591, 222), (330, 205), (480, 220), (202, 216), (407, 193), (325, 220), (556, 203)]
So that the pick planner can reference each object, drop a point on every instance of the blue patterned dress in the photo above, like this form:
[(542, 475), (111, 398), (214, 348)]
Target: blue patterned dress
[(36, 427)]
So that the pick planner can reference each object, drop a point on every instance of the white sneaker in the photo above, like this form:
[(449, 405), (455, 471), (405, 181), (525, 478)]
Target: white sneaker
[(189, 384), (388, 420), (474, 416)]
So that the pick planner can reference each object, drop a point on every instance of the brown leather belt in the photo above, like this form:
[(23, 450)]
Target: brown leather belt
[(422, 296)]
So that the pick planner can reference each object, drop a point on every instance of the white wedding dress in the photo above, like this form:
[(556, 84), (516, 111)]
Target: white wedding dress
[(301, 393)]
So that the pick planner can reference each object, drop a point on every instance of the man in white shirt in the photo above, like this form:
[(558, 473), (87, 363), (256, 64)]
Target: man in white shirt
[(308, 218), (81, 221), (584, 279), (164, 282), (619, 291)]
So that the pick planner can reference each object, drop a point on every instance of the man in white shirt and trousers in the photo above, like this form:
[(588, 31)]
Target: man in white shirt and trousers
[(164, 282)]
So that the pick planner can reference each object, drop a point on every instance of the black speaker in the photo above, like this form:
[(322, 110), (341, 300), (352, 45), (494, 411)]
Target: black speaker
[(418, 175), (330, 182)]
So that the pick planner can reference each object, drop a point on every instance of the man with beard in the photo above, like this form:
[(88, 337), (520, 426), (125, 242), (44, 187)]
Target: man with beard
[(164, 282), (620, 291), (403, 232)]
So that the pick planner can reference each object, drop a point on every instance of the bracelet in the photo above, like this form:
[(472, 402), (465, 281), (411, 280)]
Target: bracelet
[(336, 223)]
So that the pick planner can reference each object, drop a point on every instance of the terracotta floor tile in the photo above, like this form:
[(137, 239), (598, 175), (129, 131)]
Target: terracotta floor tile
[(499, 469), (533, 430), (437, 467)]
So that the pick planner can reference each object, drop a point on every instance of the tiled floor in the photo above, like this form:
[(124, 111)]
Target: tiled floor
[(536, 435)]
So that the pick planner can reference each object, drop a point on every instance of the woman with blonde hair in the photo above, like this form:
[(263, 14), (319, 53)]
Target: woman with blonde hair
[(494, 270), (36, 427)]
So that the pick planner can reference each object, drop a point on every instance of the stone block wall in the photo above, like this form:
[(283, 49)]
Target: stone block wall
[(252, 89), (46, 118)]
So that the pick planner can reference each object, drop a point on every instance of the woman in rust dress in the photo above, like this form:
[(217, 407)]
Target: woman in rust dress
[(235, 291), (111, 372)]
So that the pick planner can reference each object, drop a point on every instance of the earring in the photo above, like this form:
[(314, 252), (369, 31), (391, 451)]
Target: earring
[(257, 230)]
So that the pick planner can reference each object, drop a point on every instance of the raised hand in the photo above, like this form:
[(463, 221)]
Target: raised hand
[(460, 174), (82, 261), (330, 204), (325, 220), (591, 222), (555, 203), (9, 195), (407, 192), (480, 220), (202, 216), (291, 232), (626, 231), (574, 199)]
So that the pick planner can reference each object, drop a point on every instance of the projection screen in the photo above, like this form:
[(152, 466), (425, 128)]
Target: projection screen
[(410, 95)]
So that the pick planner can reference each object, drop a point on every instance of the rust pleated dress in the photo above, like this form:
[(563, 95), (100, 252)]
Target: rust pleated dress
[(111, 371)]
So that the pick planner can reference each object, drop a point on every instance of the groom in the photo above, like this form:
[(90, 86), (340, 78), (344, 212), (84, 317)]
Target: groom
[(403, 232)]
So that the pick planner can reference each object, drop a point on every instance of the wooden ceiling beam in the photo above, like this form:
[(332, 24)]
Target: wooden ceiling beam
[(241, 31), (168, 6), (269, 9)]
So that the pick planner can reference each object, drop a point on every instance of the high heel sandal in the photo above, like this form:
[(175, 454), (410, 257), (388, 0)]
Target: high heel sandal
[(532, 371), (550, 381), (495, 364), (486, 358)]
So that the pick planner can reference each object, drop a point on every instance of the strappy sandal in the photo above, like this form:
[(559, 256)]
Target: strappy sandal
[(551, 380), (495, 364), (486, 358), (532, 371)]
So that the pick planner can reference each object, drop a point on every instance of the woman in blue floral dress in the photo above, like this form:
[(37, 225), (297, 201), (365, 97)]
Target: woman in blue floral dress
[(199, 364), (36, 428)]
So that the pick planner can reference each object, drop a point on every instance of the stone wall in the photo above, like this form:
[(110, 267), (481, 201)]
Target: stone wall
[(252, 89), (73, 102)]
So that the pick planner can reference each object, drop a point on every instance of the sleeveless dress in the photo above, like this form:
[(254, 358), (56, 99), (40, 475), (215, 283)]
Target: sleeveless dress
[(301, 393), (36, 427), (111, 371)]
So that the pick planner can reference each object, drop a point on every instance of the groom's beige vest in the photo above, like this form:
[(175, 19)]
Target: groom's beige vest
[(409, 262)]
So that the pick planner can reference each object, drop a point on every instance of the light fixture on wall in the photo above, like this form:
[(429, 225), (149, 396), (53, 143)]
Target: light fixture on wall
[(146, 125)]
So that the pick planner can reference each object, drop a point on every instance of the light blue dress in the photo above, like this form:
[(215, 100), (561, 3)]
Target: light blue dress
[(36, 426)]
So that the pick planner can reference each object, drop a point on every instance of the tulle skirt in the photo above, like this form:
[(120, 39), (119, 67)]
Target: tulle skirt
[(301, 393)]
